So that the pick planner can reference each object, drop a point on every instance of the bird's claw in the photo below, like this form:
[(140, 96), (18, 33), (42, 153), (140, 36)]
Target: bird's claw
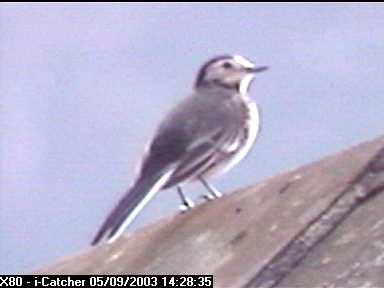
[(186, 206), (211, 196)]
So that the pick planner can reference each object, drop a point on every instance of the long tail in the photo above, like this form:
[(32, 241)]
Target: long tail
[(130, 206)]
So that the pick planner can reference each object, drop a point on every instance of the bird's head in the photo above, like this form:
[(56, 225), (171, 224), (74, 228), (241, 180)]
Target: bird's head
[(231, 72)]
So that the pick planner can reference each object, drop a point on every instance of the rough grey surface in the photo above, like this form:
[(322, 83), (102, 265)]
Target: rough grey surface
[(352, 256), (260, 236), (367, 185)]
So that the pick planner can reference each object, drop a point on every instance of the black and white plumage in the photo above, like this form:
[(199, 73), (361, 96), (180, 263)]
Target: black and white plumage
[(206, 134)]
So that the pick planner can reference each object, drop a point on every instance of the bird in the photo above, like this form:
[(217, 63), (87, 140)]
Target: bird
[(204, 135)]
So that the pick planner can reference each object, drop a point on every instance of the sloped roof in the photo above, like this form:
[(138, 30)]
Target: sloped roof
[(317, 226)]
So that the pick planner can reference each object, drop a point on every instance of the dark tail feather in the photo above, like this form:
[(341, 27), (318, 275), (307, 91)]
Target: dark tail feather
[(129, 206)]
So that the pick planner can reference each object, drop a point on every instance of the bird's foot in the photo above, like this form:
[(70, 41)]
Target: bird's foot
[(212, 196), (187, 205), (213, 193)]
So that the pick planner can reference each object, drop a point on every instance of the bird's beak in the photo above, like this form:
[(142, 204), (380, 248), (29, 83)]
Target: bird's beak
[(257, 69)]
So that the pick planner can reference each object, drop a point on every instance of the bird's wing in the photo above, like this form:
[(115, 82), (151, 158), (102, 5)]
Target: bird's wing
[(192, 137)]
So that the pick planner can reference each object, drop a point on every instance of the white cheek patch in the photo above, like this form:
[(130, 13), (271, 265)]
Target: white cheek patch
[(243, 62), (244, 83)]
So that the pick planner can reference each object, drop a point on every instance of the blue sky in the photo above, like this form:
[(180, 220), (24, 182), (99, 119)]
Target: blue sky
[(84, 85)]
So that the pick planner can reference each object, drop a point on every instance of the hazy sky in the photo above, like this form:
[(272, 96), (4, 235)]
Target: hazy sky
[(84, 85)]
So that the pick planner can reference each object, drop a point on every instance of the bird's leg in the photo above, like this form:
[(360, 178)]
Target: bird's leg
[(187, 203), (213, 193)]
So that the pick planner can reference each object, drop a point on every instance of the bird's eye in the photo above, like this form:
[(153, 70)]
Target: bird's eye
[(227, 65)]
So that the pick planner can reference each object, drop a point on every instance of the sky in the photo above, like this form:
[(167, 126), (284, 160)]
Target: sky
[(84, 85)]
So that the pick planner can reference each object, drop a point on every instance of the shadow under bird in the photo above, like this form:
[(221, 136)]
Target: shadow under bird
[(204, 135)]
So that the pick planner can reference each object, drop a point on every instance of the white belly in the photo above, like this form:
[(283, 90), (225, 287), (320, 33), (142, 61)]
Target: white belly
[(252, 130)]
